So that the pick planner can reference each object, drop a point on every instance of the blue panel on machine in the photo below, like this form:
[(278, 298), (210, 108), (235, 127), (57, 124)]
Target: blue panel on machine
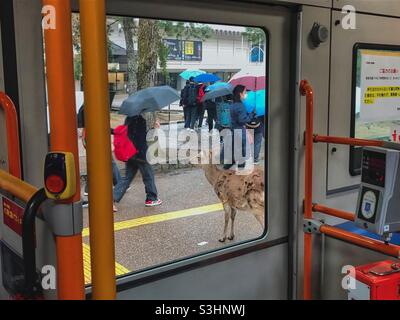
[(351, 227)]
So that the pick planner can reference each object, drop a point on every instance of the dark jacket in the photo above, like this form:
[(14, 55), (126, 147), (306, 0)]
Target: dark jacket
[(239, 115), (183, 101), (137, 132)]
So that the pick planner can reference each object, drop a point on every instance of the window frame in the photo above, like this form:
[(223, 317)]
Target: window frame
[(355, 151), (172, 267)]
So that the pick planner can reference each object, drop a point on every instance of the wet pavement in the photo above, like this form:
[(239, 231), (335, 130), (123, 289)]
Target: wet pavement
[(150, 243)]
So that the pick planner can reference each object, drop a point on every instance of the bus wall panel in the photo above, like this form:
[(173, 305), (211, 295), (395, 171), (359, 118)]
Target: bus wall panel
[(382, 7), (367, 31), (252, 276), (314, 64), (32, 101)]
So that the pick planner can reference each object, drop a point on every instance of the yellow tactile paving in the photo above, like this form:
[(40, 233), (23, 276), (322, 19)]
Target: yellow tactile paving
[(119, 269), (127, 224)]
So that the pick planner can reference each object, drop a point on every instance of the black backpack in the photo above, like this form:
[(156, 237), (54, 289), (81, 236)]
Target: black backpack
[(192, 93)]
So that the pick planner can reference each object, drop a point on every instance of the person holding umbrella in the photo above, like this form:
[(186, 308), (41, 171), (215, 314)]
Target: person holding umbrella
[(146, 100), (137, 133)]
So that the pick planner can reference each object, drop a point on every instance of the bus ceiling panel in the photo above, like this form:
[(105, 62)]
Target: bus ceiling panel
[(340, 119), (174, 10), (381, 7)]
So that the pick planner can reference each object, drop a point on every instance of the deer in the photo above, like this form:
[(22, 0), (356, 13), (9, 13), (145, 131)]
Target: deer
[(242, 191)]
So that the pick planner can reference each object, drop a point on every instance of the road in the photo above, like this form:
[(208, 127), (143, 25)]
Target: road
[(189, 223)]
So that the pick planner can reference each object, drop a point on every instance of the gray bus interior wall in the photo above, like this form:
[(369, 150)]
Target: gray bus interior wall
[(332, 89)]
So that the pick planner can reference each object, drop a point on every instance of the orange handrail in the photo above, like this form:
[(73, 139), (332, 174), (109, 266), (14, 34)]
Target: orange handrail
[(334, 212), (388, 249), (310, 138), (16, 187), (13, 150), (63, 137), (349, 141), (306, 89)]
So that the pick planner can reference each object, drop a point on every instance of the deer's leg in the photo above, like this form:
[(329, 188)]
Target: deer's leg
[(233, 215), (227, 210)]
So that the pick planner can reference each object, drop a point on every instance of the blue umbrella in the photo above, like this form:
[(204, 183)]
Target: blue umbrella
[(187, 74), (218, 85), (255, 100), (217, 93), (207, 77), (149, 100)]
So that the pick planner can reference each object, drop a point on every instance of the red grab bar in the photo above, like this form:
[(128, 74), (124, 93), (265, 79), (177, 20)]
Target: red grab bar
[(306, 90), (13, 150)]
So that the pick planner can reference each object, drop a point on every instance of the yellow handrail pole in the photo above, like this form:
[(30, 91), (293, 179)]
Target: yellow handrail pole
[(64, 137), (98, 150), (16, 187)]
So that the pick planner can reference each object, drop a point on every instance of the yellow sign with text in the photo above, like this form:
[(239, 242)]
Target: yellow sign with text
[(189, 48), (382, 92)]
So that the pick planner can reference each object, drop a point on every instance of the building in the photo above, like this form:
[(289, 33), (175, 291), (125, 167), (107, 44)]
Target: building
[(225, 53)]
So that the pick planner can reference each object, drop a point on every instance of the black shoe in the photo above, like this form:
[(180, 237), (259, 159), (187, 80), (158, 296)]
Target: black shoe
[(227, 166), (241, 166)]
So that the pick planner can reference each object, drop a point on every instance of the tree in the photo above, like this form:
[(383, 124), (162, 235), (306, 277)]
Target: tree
[(129, 27), (255, 35), (151, 49), (149, 39)]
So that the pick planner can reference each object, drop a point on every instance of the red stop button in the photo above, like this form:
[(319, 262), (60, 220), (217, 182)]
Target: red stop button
[(55, 184)]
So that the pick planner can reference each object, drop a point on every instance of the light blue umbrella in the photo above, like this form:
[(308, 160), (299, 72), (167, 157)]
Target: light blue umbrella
[(187, 74), (218, 85), (149, 100), (255, 100)]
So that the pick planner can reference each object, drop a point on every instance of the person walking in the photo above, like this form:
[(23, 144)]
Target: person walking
[(137, 134)]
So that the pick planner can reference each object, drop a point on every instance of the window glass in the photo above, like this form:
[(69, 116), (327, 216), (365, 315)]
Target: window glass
[(146, 53)]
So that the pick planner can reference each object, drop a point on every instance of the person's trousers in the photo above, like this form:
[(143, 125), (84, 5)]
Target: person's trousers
[(200, 114), (230, 145), (211, 117), (258, 138), (115, 174), (186, 116), (146, 170), (192, 115)]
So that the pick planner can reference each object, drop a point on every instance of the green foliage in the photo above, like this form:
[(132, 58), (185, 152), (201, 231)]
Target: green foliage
[(255, 35), (162, 57), (78, 67), (185, 30)]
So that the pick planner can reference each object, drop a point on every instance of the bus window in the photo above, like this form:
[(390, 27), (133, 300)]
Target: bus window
[(197, 61)]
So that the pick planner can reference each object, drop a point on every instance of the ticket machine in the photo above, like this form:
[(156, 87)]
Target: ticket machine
[(379, 194)]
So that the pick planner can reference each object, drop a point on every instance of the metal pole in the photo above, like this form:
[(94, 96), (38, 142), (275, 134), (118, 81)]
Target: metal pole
[(64, 137), (14, 157), (306, 90), (97, 118)]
